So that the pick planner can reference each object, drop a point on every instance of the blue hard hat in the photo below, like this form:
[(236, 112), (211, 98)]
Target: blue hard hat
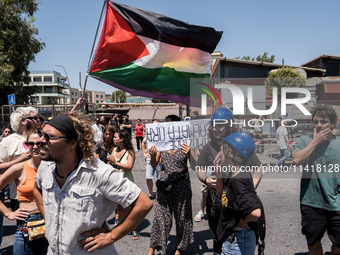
[(242, 143), (222, 114)]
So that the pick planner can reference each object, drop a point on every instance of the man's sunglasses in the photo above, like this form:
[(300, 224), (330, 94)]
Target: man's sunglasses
[(32, 117), (31, 144), (47, 137)]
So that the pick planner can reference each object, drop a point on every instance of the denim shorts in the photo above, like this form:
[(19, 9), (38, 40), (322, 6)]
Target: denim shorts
[(22, 245), (150, 171), (244, 243)]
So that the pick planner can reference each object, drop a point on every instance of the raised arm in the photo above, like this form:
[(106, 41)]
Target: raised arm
[(78, 105), (301, 156), (155, 156), (23, 157)]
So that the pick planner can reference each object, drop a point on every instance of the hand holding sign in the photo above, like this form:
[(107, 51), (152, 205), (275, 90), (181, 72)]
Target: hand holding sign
[(186, 149), (153, 151)]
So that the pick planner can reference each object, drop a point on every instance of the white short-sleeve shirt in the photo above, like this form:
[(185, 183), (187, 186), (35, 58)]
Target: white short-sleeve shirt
[(88, 197), (12, 147), (281, 132)]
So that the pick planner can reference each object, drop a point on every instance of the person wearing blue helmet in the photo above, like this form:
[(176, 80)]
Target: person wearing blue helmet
[(206, 159), (219, 114), (240, 206)]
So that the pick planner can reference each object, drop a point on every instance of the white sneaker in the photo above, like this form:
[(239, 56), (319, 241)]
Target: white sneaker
[(199, 216)]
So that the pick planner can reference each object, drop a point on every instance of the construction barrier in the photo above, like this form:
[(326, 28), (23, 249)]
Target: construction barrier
[(273, 145), (264, 147)]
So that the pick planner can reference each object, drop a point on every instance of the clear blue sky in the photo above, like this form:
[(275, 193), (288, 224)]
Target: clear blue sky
[(297, 31)]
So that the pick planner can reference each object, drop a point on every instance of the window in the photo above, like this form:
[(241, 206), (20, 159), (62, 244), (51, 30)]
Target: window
[(48, 89), (96, 96), (72, 99), (101, 96), (37, 79), (48, 79), (75, 93), (72, 93), (97, 101)]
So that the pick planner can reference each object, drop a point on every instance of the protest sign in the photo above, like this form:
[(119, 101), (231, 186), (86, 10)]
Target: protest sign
[(170, 135)]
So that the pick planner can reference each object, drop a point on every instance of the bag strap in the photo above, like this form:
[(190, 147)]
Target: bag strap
[(122, 156)]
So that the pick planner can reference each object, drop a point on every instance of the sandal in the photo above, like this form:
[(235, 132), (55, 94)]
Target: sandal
[(135, 235)]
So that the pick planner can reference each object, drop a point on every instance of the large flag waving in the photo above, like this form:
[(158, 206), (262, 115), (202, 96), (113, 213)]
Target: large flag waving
[(148, 54)]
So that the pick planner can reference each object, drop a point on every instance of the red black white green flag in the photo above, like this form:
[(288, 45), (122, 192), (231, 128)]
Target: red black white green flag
[(148, 54)]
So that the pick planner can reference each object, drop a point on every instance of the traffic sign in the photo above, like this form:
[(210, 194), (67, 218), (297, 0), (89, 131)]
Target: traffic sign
[(11, 99)]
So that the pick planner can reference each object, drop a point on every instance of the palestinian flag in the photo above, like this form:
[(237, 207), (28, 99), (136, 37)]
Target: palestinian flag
[(148, 54)]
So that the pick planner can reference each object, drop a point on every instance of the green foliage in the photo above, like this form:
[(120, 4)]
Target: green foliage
[(261, 58), (159, 101), (284, 77), (18, 47), (120, 96)]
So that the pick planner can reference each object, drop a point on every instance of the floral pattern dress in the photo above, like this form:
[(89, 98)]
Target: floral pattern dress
[(176, 203)]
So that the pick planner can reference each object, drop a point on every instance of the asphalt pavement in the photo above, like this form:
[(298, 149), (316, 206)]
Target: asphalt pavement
[(279, 193)]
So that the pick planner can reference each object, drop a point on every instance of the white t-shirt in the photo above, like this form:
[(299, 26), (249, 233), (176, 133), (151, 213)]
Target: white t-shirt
[(98, 133), (281, 132), (12, 147)]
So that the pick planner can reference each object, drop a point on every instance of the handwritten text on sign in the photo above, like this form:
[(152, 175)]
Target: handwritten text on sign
[(170, 135)]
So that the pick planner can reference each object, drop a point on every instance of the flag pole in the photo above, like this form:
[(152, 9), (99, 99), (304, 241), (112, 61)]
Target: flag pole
[(94, 41)]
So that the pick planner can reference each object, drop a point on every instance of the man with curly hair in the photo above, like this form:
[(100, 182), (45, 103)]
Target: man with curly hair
[(77, 192), (320, 184)]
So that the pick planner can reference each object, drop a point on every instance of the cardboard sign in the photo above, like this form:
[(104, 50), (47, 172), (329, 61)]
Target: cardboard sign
[(170, 135)]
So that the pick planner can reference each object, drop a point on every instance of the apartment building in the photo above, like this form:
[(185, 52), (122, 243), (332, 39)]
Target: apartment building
[(49, 87)]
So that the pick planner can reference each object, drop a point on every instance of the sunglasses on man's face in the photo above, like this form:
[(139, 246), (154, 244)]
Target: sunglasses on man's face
[(47, 137), (32, 118), (31, 144)]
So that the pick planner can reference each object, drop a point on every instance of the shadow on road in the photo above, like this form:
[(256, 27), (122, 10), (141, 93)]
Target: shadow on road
[(199, 246)]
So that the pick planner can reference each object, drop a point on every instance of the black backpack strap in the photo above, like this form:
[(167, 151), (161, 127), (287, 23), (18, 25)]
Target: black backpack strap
[(261, 229)]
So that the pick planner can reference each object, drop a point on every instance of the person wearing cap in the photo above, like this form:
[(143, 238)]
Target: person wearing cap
[(77, 192), (97, 131), (235, 186), (220, 126), (102, 122)]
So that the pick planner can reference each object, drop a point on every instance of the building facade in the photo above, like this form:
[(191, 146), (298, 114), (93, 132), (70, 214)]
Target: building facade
[(74, 94), (49, 87)]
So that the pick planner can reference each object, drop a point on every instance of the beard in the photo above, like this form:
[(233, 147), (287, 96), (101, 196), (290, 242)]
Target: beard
[(45, 154)]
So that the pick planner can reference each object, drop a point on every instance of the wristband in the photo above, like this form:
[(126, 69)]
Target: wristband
[(205, 181)]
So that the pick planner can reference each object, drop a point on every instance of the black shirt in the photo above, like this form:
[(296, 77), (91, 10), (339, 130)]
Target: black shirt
[(114, 122), (127, 122), (238, 200)]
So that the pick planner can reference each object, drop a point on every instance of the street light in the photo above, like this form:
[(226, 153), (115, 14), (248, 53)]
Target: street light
[(65, 80)]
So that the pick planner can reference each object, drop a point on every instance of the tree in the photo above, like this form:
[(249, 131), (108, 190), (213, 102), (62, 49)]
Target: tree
[(284, 77), (18, 47), (263, 58), (120, 96), (156, 100)]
